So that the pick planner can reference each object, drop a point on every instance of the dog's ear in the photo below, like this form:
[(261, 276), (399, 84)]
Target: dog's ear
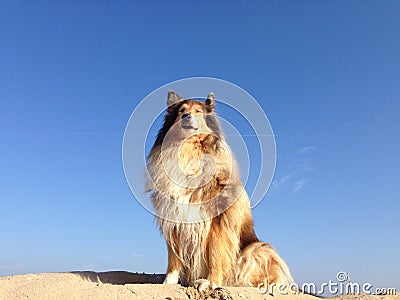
[(210, 102), (173, 98)]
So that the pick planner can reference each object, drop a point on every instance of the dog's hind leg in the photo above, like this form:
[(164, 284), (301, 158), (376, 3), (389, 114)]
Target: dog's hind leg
[(259, 263)]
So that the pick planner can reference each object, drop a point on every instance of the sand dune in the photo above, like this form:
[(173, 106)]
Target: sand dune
[(125, 285)]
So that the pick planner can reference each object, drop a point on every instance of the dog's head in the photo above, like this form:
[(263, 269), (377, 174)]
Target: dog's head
[(189, 117)]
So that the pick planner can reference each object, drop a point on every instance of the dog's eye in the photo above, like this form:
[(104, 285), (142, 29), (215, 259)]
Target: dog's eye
[(198, 111), (181, 110)]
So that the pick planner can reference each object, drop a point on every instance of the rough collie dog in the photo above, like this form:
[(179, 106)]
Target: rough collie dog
[(202, 208)]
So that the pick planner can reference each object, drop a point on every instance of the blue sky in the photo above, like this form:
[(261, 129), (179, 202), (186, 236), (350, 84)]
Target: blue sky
[(326, 73)]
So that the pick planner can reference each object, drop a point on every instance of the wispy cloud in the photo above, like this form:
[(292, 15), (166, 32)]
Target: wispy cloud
[(299, 165), (282, 181), (298, 185), (137, 255), (305, 150)]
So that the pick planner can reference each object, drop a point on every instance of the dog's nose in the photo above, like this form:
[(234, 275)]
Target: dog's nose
[(186, 116)]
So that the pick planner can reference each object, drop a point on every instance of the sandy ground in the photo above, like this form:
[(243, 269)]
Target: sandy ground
[(124, 285)]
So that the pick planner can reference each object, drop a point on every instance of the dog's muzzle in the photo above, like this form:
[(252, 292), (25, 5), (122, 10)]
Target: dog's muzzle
[(188, 122)]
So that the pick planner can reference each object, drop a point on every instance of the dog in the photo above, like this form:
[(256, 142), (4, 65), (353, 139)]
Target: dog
[(202, 208)]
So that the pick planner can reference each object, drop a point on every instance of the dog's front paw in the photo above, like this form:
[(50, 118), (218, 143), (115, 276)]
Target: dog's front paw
[(203, 284), (210, 290)]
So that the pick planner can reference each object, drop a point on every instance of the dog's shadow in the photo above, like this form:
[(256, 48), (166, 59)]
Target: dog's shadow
[(120, 277)]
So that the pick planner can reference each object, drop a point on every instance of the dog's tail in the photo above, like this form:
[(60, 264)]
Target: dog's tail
[(259, 263)]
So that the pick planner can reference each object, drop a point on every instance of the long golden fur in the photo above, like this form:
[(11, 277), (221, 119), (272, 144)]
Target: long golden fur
[(202, 208)]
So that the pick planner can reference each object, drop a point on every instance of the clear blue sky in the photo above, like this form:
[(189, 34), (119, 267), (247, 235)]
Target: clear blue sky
[(327, 74)]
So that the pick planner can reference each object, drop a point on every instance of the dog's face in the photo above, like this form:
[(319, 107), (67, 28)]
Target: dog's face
[(189, 117)]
